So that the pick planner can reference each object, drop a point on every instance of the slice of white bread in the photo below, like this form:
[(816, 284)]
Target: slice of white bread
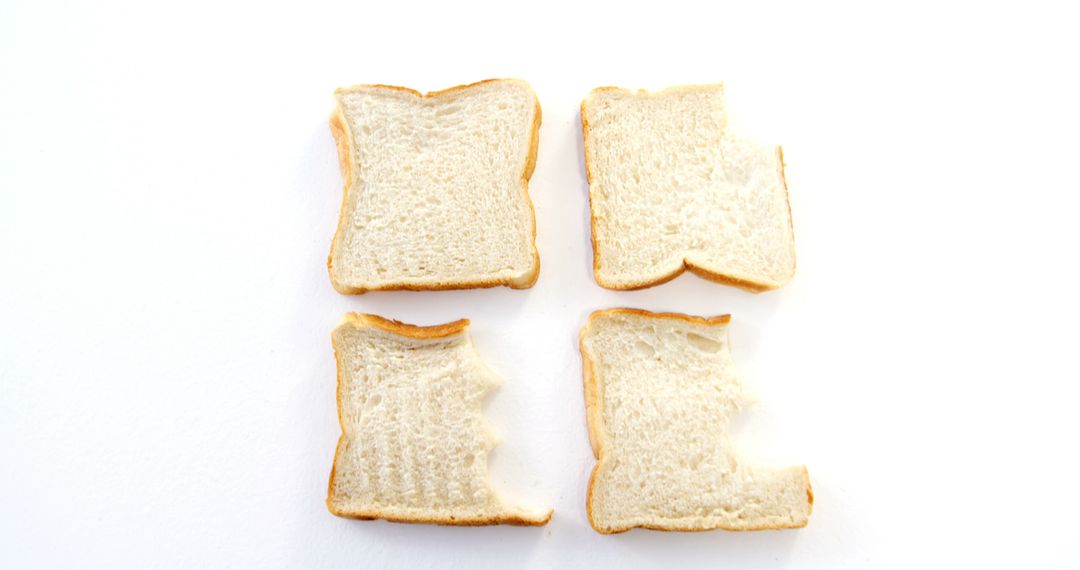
[(414, 444), (436, 187), (660, 391), (671, 187)]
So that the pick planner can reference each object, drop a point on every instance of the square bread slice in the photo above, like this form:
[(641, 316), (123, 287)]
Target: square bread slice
[(672, 187), (414, 444), (660, 391), (436, 187)]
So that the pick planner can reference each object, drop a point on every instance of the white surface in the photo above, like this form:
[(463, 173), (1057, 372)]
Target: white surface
[(168, 191)]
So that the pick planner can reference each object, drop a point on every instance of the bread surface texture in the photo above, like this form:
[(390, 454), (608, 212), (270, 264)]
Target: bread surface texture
[(436, 187), (660, 391), (672, 187), (414, 443)]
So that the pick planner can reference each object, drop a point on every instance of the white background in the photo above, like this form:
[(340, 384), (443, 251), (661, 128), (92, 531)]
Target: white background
[(169, 187)]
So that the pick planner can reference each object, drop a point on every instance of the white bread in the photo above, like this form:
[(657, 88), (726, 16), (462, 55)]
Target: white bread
[(436, 187), (671, 188), (660, 391), (414, 444)]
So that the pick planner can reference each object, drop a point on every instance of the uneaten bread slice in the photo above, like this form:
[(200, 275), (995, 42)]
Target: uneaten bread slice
[(672, 187), (414, 443), (660, 390), (436, 187)]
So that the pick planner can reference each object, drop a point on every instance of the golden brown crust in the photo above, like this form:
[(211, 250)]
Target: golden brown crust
[(787, 202), (594, 422), (745, 283), (728, 279), (714, 320), (588, 179), (405, 329), (339, 129), (344, 141), (449, 521), (359, 320), (621, 530), (661, 92), (428, 95), (339, 399), (593, 417), (449, 286), (530, 166)]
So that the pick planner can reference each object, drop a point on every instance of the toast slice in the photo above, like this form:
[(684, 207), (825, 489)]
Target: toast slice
[(436, 187), (672, 187), (414, 443), (660, 391)]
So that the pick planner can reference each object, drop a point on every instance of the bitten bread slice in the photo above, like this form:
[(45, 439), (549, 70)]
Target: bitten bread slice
[(671, 187), (436, 187), (660, 390), (414, 443)]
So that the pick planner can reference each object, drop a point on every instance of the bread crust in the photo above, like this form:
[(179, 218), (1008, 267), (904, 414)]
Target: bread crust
[(405, 329), (593, 389), (726, 278), (360, 320), (512, 520), (343, 140)]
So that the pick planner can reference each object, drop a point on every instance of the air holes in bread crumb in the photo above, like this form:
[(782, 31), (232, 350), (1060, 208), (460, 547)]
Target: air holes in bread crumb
[(644, 349), (703, 343)]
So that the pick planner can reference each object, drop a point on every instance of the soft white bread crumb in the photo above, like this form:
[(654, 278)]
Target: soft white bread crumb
[(660, 391), (414, 444), (671, 187), (436, 187)]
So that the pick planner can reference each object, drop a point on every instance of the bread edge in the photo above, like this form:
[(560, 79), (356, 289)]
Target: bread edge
[(343, 140), (475, 521), (457, 327), (593, 418), (404, 329), (746, 283)]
